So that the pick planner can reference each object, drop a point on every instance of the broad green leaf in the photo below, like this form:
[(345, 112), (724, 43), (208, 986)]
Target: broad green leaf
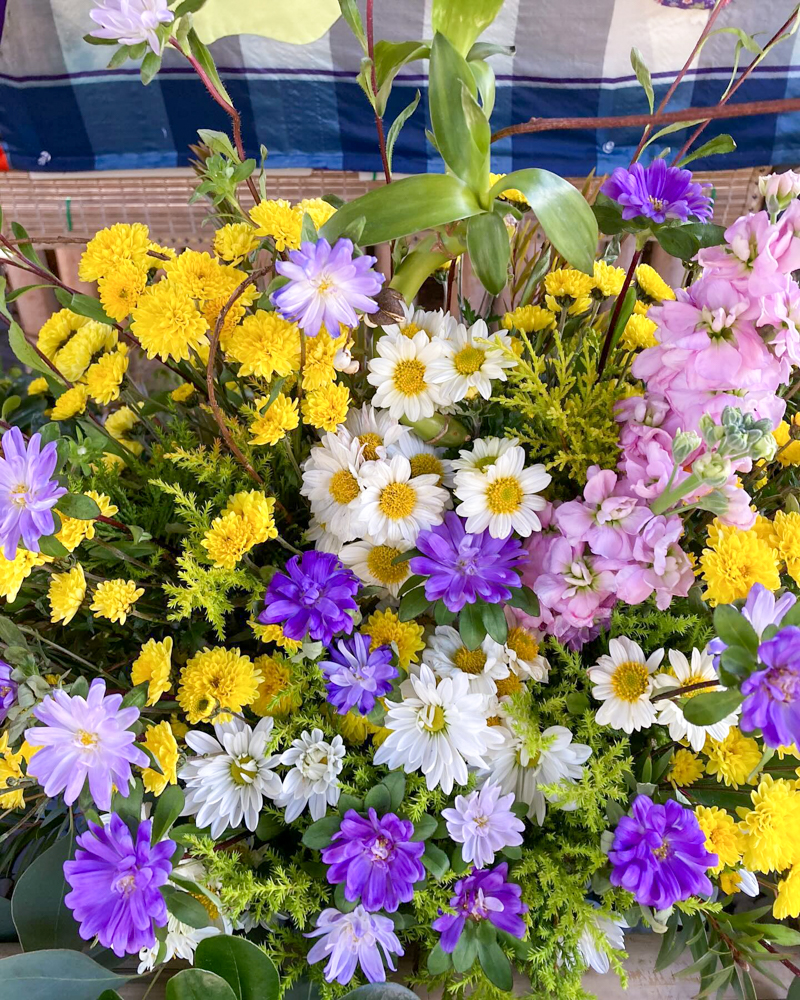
[(67, 975), (781, 934), (562, 211), (495, 622), (463, 21), (352, 16), (169, 806), (10, 634), (378, 798), (49, 545), (320, 834), (8, 931), (577, 703), (382, 991), (489, 250), (396, 783), (706, 709), (643, 75), (678, 242), (714, 147), (188, 7), (734, 629), (185, 907), (415, 268), (390, 57), (42, 918), (439, 961), (708, 234), (435, 860), (425, 827), (25, 353), (198, 984), (466, 951), (485, 80), (244, 966), (412, 605), (78, 505), (524, 599), (495, 964), (136, 697), (470, 625), (151, 64), (218, 142), (85, 305), (397, 124)]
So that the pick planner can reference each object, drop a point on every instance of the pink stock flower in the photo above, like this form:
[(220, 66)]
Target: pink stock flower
[(638, 414), (779, 326), (749, 257), (647, 463), (608, 518), (787, 240), (691, 404), (661, 567), (577, 585)]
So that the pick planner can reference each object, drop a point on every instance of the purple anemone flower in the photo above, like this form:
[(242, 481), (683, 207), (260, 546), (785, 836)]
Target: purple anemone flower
[(115, 885), (762, 609), (354, 939), (326, 285), (357, 678), (659, 854), (8, 689), (27, 491), (772, 695), (462, 567), (658, 192), (313, 597), (482, 822), (376, 859), (484, 895)]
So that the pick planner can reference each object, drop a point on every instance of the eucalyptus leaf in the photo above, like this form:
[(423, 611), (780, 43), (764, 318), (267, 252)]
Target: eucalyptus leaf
[(198, 984), (706, 709), (185, 907), (495, 622), (42, 919), (320, 834), (68, 975), (169, 806), (244, 966), (470, 625)]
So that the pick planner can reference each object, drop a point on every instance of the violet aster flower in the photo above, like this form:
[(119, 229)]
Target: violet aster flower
[(483, 822), (484, 895), (658, 192), (351, 939), (326, 285), (131, 21), (659, 854), (27, 491), (84, 738), (312, 597), (462, 567), (115, 885), (762, 608), (357, 678), (376, 859), (772, 695), (8, 689)]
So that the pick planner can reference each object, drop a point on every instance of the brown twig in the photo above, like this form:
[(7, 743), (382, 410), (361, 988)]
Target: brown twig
[(784, 961), (378, 119), (637, 256), (673, 692)]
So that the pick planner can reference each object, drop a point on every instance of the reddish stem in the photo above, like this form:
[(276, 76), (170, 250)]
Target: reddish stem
[(784, 961), (672, 692), (378, 120), (637, 254)]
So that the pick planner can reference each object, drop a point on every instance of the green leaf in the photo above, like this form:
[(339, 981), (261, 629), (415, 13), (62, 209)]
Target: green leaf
[(425, 827), (320, 834), (85, 305), (396, 783), (218, 142), (708, 234), (678, 242), (10, 404), (24, 246), (643, 75), (470, 625), (562, 211), (439, 961), (68, 975), (390, 57), (204, 57), (625, 313), (734, 629), (397, 124), (495, 965), (244, 966), (169, 806), (10, 634), (25, 353), (794, 989), (442, 615), (42, 919), (381, 991), (79, 506), (198, 984), (136, 697), (308, 231), (188, 7), (486, 83), (352, 16), (489, 250), (8, 931), (129, 808), (466, 950), (463, 21), (495, 622), (524, 599), (185, 907), (577, 703), (91, 40), (379, 799), (151, 64), (781, 934), (706, 709), (412, 605), (435, 860), (723, 143)]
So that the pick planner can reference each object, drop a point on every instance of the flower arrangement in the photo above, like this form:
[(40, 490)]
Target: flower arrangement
[(345, 638)]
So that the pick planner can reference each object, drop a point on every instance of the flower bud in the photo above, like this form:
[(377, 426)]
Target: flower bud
[(683, 444), (712, 469), (779, 189), (441, 429)]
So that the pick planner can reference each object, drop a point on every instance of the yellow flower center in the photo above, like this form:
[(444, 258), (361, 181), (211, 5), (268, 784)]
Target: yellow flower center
[(494, 720), (380, 563), (397, 501), (343, 487), (243, 770), (410, 330), (508, 685), (630, 680), (87, 739), (433, 719), (371, 444), (661, 852), (426, 464), (469, 360), (695, 679), (522, 643), (504, 495), (18, 494), (409, 377), (470, 661), (210, 909)]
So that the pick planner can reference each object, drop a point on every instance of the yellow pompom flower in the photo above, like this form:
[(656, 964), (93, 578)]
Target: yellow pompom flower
[(510, 194), (77, 354), (639, 333), (385, 627), (120, 422), (215, 679), (733, 759), (183, 393), (651, 285), (104, 377), (153, 665), (355, 728), (788, 448), (272, 697), (179, 729), (318, 370), (14, 572), (265, 345), (529, 319), (114, 599), (318, 210), (569, 289), (107, 508), (256, 510), (227, 540), (66, 593), (73, 531), (70, 403), (121, 289), (280, 221), (198, 275), (279, 417), (58, 330), (733, 561), (235, 241), (722, 836), (161, 743), (787, 902), (167, 323), (730, 882), (326, 408), (111, 246), (274, 633), (770, 841), (11, 771), (786, 528), (608, 280), (38, 386), (685, 769)]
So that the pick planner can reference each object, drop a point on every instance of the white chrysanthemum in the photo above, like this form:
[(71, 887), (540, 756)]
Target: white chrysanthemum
[(671, 714), (558, 762), (472, 359), (483, 454), (375, 564), (331, 481), (181, 942), (375, 430), (314, 778), (435, 324), (438, 728), (504, 498), (402, 377), (447, 656), (601, 928), (521, 650), (396, 505), (624, 683), (229, 780), (317, 532), (424, 458)]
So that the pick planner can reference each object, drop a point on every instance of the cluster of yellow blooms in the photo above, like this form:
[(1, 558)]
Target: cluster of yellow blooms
[(246, 520), (283, 223)]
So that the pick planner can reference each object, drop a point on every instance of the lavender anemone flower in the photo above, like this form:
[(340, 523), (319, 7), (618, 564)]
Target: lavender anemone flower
[(326, 285), (131, 21), (27, 491), (462, 567), (659, 854), (84, 738), (312, 597), (658, 192), (484, 895), (483, 823), (351, 939), (357, 678), (772, 695), (762, 608), (8, 689), (115, 885), (376, 859)]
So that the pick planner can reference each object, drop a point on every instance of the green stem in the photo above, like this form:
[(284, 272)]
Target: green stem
[(671, 496)]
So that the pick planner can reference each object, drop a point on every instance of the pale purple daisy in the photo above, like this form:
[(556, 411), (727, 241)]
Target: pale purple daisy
[(115, 884), (356, 677), (658, 192), (762, 609), (8, 689), (326, 285), (772, 695), (351, 939), (131, 21), (84, 737), (483, 823), (484, 895), (27, 491)]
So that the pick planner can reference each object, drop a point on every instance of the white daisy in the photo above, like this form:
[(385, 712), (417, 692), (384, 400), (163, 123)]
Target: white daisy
[(504, 498), (313, 780), (521, 650), (374, 564), (376, 431), (227, 782), (181, 941), (484, 453), (624, 683), (439, 729), (424, 458), (597, 931), (435, 324), (402, 376), (671, 714), (395, 504), (447, 656), (323, 540), (331, 481), (557, 761), (471, 360)]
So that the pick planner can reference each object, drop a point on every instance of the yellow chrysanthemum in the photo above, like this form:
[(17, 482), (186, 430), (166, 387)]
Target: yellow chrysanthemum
[(510, 194), (114, 599), (120, 422), (770, 840), (765, 530), (274, 633), (529, 319), (74, 530), (355, 728), (787, 902), (257, 511), (198, 275), (730, 882), (121, 289), (280, 221), (788, 447), (279, 417), (13, 572), (733, 759), (385, 627), (11, 772), (66, 593), (723, 837), (58, 330), (161, 743), (787, 751), (326, 408), (38, 386), (183, 393), (734, 561), (639, 333), (686, 768), (227, 540), (651, 285), (608, 280), (112, 462), (70, 403), (566, 284), (265, 345), (276, 678), (153, 664), (235, 241), (154, 262), (179, 728), (105, 252), (318, 369), (167, 323), (786, 527), (318, 210), (104, 377), (77, 354), (217, 679), (107, 508)]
